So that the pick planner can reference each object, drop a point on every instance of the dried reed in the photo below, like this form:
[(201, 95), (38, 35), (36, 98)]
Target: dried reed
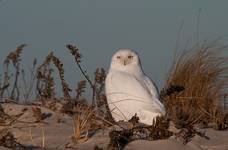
[(14, 58), (202, 74), (45, 82), (80, 89), (77, 56), (81, 119), (29, 85), (99, 102)]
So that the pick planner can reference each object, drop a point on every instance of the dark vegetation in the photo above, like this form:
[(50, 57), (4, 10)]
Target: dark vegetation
[(194, 96), (201, 79), (8, 140)]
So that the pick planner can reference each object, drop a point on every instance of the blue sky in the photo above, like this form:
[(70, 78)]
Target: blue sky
[(100, 27)]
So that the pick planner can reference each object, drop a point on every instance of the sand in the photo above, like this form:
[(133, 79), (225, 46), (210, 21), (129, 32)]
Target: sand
[(52, 134)]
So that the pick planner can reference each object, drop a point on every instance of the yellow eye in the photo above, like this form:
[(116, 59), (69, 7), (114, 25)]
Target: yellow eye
[(130, 57), (118, 57)]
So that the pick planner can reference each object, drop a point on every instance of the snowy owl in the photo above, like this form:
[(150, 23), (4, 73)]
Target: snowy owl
[(129, 91)]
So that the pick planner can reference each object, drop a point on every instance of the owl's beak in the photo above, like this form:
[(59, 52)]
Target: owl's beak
[(124, 62)]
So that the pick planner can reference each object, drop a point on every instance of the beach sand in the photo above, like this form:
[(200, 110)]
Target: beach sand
[(56, 130)]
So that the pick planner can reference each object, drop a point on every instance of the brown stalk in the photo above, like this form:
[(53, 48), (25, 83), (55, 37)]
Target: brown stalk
[(65, 86), (14, 58), (29, 86), (202, 72), (77, 56), (44, 73), (80, 89), (45, 82)]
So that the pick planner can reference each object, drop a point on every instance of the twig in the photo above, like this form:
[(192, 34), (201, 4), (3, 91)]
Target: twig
[(43, 137), (77, 56), (31, 137)]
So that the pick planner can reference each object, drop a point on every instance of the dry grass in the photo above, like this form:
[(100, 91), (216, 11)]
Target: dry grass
[(80, 89), (14, 59), (45, 81), (8, 140), (194, 93), (99, 102), (77, 56), (86, 122), (159, 130), (202, 74), (2, 114), (43, 138), (65, 86), (29, 83), (81, 126)]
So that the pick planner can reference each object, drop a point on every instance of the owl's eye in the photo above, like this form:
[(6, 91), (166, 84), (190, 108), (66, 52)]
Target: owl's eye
[(130, 57), (118, 57)]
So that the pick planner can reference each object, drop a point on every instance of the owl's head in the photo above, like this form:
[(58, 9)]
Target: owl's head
[(125, 59)]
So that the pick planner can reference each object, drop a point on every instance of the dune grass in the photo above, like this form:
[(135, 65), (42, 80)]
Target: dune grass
[(194, 94), (202, 72)]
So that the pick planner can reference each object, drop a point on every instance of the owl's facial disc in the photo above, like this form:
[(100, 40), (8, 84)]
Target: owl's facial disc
[(125, 59)]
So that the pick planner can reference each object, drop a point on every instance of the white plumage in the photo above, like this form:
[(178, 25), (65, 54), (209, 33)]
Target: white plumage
[(129, 91)]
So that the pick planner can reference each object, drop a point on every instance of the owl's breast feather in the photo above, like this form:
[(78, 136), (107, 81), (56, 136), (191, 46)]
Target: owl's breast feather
[(128, 84)]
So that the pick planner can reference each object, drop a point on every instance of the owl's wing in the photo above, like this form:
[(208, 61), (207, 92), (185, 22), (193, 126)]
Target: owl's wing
[(128, 95), (154, 91), (151, 86), (126, 87)]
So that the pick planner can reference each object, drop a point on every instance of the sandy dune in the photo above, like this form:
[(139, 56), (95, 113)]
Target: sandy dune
[(52, 134)]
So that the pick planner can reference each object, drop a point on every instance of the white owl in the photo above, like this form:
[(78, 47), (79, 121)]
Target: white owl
[(129, 91)]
